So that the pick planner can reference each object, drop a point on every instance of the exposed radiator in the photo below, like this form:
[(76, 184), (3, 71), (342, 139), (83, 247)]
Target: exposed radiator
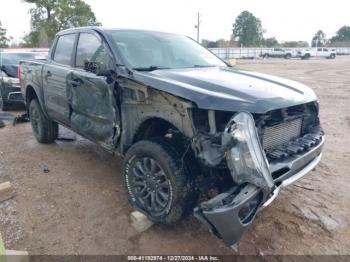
[(281, 133)]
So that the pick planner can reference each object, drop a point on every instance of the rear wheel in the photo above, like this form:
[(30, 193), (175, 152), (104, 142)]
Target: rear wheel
[(288, 56), (45, 130), (158, 182)]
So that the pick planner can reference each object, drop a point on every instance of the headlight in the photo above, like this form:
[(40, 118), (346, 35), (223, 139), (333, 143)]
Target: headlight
[(246, 159)]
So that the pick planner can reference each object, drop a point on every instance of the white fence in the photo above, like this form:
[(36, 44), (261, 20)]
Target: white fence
[(236, 52)]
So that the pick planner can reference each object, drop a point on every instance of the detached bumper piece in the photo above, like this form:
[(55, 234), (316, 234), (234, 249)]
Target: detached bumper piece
[(229, 215)]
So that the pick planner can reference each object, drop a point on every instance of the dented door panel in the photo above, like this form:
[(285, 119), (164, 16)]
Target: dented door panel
[(94, 112)]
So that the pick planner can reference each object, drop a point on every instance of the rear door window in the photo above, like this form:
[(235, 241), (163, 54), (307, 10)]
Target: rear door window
[(64, 49)]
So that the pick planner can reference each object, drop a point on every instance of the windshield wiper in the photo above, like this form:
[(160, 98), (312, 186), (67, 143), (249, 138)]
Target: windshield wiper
[(150, 68)]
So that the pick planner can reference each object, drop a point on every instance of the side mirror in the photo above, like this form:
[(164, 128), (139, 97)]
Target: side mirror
[(91, 66), (97, 68)]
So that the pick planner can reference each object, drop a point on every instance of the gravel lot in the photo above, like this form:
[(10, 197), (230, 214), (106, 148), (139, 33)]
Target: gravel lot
[(80, 206)]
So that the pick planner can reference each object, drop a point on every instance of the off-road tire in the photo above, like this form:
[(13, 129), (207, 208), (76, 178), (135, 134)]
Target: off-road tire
[(45, 130), (183, 196)]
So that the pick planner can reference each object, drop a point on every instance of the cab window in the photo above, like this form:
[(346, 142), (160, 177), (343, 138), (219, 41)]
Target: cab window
[(92, 49), (64, 49)]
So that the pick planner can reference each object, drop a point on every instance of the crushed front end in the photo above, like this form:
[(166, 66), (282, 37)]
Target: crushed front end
[(261, 154)]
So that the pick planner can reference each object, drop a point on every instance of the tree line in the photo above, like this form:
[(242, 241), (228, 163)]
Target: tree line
[(51, 16), (247, 31)]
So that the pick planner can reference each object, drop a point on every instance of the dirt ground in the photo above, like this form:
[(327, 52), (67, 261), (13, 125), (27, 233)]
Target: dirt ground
[(70, 199)]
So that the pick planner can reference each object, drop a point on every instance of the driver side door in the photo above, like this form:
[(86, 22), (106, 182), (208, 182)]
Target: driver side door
[(92, 98)]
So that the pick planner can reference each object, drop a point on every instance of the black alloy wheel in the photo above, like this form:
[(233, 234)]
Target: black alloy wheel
[(150, 185)]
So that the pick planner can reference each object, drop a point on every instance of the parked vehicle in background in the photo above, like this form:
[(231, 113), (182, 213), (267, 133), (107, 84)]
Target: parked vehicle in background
[(343, 51), (197, 135), (290, 53), (10, 89), (280, 53), (329, 53)]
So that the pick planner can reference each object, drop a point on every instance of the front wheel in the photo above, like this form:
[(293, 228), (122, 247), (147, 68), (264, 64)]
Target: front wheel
[(158, 182), (45, 130)]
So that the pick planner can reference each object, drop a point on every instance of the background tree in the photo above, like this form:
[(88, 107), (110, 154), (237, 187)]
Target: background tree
[(221, 43), (270, 42), (3, 38), (51, 16), (209, 44), (319, 39), (343, 34), (248, 29), (295, 44)]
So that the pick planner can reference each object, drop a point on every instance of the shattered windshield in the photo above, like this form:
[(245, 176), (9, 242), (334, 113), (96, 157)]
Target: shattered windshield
[(153, 50)]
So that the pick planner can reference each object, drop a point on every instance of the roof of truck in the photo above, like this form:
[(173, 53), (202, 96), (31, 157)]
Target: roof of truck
[(105, 29)]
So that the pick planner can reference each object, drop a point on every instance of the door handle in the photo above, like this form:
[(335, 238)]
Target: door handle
[(75, 82), (47, 75)]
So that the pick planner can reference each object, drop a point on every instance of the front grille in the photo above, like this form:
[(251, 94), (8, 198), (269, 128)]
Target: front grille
[(281, 133)]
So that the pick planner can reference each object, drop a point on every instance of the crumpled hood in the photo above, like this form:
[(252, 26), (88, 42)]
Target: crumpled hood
[(228, 89)]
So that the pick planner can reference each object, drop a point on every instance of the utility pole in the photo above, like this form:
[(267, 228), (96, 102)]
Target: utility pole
[(198, 25)]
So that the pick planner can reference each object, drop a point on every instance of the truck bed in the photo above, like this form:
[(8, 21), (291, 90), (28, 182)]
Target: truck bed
[(30, 73)]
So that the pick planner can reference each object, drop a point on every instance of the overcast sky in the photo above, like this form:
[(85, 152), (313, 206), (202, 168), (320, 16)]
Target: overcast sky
[(286, 20)]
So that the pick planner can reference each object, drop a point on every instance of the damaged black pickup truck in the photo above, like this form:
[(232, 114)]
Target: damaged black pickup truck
[(196, 134)]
